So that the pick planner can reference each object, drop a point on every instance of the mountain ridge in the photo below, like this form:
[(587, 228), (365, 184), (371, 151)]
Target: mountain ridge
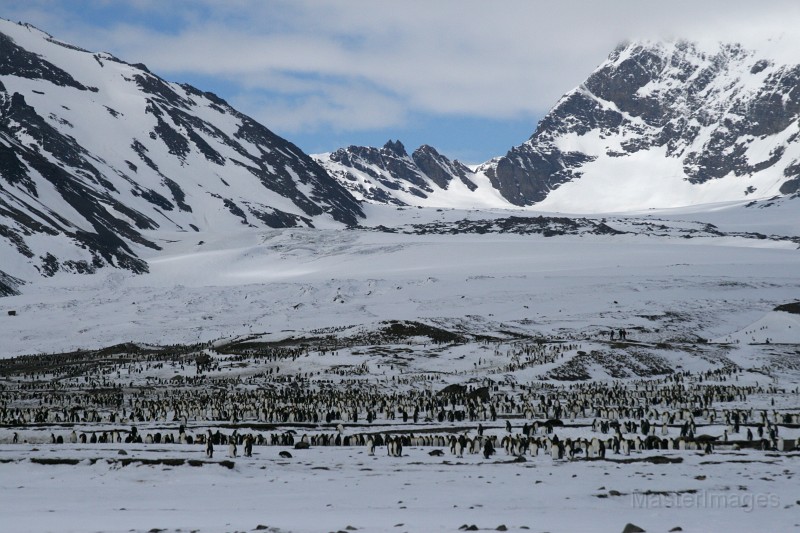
[(388, 174), (96, 152), (100, 158), (713, 123)]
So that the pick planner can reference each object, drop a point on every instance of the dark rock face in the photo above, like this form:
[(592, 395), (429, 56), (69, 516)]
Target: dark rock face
[(188, 161), (526, 175), (388, 165), (699, 106), (87, 194), (17, 61), (791, 186), (9, 285), (390, 169), (439, 169)]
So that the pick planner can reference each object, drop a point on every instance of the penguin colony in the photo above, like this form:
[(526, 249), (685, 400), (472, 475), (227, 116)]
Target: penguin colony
[(99, 397)]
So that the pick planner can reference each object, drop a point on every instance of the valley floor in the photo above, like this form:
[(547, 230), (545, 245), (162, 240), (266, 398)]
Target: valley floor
[(244, 331), (668, 276)]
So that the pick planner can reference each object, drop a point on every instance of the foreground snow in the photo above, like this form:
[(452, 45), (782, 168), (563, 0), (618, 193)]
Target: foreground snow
[(670, 280), (329, 489)]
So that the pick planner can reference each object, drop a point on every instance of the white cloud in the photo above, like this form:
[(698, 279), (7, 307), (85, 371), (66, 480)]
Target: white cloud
[(334, 107), (366, 64)]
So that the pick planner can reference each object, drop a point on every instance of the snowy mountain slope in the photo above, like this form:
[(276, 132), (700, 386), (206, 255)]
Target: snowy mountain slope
[(662, 125), (95, 151), (103, 163), (657, 125)]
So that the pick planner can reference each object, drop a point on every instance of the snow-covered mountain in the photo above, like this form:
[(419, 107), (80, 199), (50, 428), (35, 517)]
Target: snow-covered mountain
[(100, 159), (95, 153), (656, 125), (388, 175), (662, 125)]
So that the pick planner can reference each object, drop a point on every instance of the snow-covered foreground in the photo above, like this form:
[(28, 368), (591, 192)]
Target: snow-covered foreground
[(329, 489), (349, 332)]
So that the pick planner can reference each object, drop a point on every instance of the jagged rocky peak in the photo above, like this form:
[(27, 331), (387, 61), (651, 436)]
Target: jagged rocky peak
[(725, 115), (389, 175), (395, 148), (679, 83), (368, 171), (440, 169), (94, 152), (657, 124), (710, 104)]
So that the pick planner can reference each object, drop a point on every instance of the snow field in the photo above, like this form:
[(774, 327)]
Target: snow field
[(332, 488)]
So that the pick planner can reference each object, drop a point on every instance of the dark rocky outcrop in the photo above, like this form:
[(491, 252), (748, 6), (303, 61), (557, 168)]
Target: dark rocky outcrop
[(390, 170)]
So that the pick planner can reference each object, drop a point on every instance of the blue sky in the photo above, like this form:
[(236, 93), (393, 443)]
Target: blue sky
[(471, 78)]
